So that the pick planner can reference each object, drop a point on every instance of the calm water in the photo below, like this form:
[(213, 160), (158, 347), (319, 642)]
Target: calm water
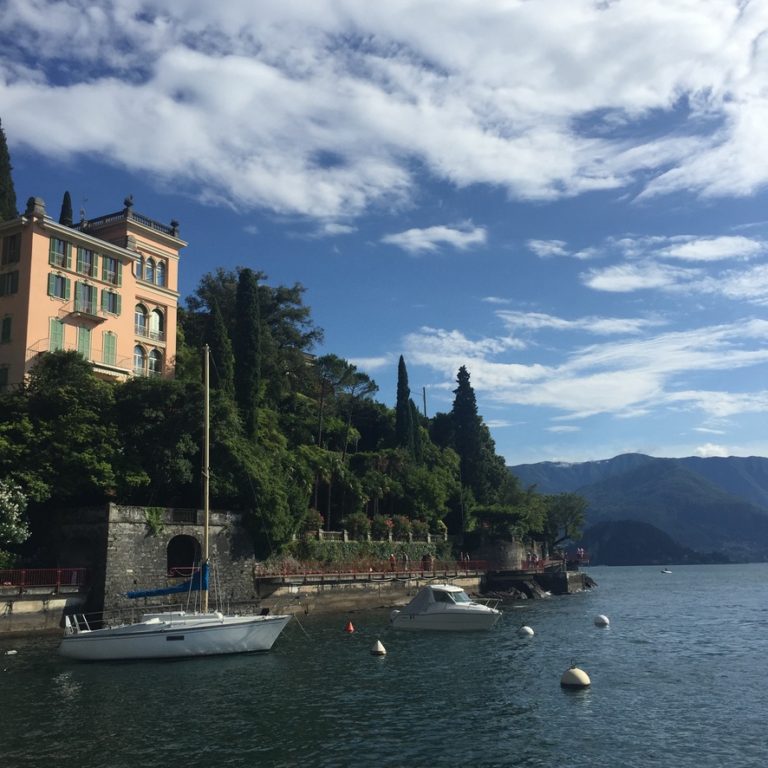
[(680, 678)]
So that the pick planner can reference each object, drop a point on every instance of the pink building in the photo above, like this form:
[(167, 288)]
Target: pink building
[(106, 287)]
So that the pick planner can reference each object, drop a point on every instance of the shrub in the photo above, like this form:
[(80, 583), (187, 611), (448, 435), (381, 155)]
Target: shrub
[(358, 525), (381, 527), (401, 527), (420, 528), (311, 521)]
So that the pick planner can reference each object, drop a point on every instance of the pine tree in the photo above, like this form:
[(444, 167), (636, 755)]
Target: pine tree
[(65, 217), (247, 349), (7, 192), (403, 413)]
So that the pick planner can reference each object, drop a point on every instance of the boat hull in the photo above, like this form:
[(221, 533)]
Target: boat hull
[(179, 637)]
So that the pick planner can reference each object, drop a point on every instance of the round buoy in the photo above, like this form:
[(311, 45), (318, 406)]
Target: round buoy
[(575, 678), (349, 627), (525, 632), (378, 649), (602, 621)]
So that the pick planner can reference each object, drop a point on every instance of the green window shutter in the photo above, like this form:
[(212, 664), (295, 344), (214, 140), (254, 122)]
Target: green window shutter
[(80, 260), (119, 304), (119, 273), (84, 341), (95, 267), (110, 347), (66, 289), (51, 282), (103, 301), (68, 260), (56, 335), (51, 252)]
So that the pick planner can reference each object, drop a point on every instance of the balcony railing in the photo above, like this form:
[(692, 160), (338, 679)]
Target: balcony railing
[(149, 333)]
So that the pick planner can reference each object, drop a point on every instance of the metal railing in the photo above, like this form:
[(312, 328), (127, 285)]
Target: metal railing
[(55, 578)]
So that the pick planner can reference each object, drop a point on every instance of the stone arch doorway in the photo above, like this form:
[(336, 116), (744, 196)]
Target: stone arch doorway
[(183, 554)]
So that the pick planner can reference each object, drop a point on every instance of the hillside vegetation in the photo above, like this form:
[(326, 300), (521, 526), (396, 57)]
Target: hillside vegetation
[(298, 441)]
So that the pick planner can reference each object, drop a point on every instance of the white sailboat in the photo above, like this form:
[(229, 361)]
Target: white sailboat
[(177, 634)]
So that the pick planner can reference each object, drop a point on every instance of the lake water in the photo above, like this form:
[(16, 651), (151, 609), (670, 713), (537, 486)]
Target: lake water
[(680, 678)]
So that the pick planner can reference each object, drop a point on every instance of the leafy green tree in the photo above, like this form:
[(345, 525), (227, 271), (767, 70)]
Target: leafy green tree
[(7, 191), (65, 217), (13, 525), (159, 422), (74, 439), (222, 358), (247, 349), (564, 518)]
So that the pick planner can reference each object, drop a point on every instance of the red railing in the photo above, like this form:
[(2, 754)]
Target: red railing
[(372, 568), (57, 578)]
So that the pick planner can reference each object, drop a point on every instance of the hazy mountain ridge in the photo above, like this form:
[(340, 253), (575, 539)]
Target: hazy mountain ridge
[(706, 505)]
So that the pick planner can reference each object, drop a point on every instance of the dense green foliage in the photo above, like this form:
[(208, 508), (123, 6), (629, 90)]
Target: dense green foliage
[(7, 191), (297, 441)]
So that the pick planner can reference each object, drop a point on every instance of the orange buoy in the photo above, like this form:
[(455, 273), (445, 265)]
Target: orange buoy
[(349, 627)]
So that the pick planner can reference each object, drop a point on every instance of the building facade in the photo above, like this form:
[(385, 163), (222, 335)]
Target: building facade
[(106, 287)]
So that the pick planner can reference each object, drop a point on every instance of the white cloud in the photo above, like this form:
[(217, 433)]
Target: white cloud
[(563, 429), (546, 249), (710, 449), (624, 278), (603, 326), (326, 107), (369, 364), (416, 241), (626, 378), (715, 249)]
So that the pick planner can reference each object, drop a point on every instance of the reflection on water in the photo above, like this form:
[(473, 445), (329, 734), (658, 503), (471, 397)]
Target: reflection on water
[(677, 680)]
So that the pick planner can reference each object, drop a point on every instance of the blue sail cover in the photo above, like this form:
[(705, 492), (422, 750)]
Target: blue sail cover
[(197, 583)]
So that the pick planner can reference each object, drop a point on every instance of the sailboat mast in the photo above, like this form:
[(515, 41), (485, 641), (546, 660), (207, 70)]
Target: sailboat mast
[(206, 473)]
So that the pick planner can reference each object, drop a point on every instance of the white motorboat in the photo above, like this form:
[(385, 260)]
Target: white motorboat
[(176, 634), (445, 607), (665, 570)]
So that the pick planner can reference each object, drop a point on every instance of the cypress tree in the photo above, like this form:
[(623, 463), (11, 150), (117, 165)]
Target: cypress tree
[(7, 192), (247, 349), (223, 372), (65, 217), (468, 434), (403, 413)]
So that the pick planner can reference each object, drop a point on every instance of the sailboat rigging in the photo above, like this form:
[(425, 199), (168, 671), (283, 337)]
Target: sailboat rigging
[(177, 634)]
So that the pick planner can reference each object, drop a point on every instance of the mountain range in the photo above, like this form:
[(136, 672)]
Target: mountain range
[(709, 509)]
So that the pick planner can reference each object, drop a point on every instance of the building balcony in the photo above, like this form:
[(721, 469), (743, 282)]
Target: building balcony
[(88, 310), (149, 333)]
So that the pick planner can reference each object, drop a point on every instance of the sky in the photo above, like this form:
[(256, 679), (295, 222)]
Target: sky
[(567, 197)]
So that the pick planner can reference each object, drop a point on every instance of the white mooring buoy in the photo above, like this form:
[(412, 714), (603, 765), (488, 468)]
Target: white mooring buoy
[(575, 678), (602, 621), (11, 653), (525, 632), (378, 649)]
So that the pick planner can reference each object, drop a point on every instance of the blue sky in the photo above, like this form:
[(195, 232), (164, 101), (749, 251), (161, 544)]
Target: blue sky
[(567, 197)]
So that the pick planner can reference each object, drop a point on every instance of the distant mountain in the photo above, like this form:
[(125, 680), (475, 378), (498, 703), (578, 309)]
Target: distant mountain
[(706, 505), (627, 542)]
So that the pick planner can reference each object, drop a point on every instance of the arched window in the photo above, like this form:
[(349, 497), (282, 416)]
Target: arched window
[(157, 325), (155, 363), (140, 316), (183, 554), (139, 359), (149, 270), (160, 273)]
